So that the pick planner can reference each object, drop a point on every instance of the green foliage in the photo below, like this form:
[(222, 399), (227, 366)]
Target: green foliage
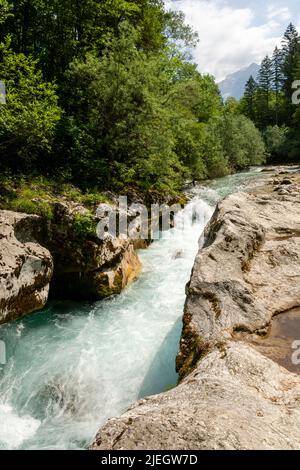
[(5, 11), (142, 122), (290, 59), (105, 95), (264, 92), (290, 150), (42, 208), (277, 80), (216, 161), (241, 142), (190, 142), (269, 102), (38, 196), (176, 29), (21, 195), (248, 103), (232, 106), (28, 120), (275, 138), (56, 32), (126, 133), (85, 226)]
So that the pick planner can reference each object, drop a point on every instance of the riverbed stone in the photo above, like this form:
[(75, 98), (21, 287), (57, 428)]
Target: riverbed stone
[(26, 267)]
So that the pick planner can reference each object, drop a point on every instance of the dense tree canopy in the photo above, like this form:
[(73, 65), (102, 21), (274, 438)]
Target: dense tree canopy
[(28, 121), (105, 94)]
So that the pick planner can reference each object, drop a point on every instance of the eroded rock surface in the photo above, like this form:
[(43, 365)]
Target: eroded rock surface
[(87, 267), (26, 267), (235, 399), (35, 252), (248, 271), (230, 396)]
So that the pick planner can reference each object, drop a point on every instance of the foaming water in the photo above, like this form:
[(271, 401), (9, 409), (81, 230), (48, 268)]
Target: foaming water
[(14, 429), (72, 366)]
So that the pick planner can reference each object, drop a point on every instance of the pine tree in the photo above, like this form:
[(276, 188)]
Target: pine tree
[(249, 96), (290, 59), (265, 77), (264, 91), (277, 79)]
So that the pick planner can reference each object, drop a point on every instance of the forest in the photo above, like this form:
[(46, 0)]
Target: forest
[(104, 94), (268, 100)]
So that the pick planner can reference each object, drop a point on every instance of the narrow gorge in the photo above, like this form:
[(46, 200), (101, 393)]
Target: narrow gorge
[(73, 366), (149, 227), (232, 395)]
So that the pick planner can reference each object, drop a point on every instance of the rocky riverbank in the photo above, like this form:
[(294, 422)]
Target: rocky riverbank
[(58, 254), (26, 267), (61, 226), (230, 396), (61, 257)]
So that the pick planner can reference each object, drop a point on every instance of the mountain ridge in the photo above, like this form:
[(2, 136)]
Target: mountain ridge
[(234, 84)]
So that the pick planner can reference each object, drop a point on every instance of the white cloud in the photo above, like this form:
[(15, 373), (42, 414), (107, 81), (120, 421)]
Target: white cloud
[(229, 38), (281, 13)]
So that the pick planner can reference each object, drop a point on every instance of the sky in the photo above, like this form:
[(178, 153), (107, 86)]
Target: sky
[(235, 33)]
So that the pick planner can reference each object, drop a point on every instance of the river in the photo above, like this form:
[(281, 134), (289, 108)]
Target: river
[(73, 365)]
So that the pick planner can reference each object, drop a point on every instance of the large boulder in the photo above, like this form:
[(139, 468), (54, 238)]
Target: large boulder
[(248, 271), (26, 267), (235, 399), (87, 267)]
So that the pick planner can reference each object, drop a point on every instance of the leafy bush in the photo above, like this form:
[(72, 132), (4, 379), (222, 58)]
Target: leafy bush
[(241, 142), (85, 226), (28, 120), (275, 139)]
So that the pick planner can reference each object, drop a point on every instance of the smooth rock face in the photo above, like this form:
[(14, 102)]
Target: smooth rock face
[(235, 399), (230, 396), (26, 267), (248, 271)]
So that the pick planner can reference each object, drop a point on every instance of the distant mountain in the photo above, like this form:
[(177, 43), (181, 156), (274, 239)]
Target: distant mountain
[(234, 84)]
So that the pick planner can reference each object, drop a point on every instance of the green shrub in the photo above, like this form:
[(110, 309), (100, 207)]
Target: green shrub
[(85, 226), (275, 139), (41, 208)]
